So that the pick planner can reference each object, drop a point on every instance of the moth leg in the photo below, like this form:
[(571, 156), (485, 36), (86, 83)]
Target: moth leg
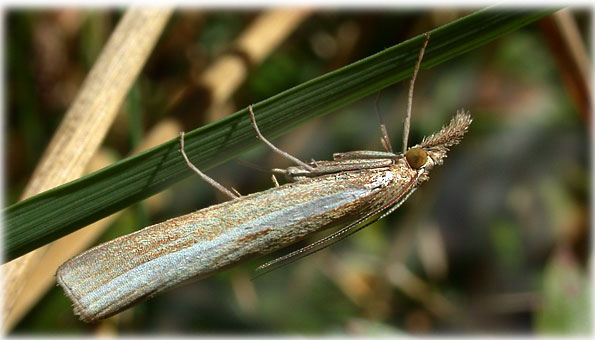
[(277, 150), (202, 175), (275, 180), (384, 139)]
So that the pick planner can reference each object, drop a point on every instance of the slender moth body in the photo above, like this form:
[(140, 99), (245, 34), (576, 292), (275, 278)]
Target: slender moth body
[(355, 188), (117, 274)]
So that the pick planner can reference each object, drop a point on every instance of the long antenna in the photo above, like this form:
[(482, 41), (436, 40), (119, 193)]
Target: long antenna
[(410, 97)]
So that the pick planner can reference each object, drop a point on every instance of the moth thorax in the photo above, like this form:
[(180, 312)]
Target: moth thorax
[(416, 157)]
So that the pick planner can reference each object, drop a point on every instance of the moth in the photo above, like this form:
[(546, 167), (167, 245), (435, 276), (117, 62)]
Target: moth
[(354, 189)]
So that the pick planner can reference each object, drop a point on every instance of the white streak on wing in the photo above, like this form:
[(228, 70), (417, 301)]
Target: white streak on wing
[(382, 179), (170, 269)]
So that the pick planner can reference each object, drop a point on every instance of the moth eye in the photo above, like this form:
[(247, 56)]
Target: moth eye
[(416, 157)]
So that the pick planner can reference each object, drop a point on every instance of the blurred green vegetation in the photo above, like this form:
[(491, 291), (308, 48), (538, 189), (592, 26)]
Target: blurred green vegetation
[(495, 242), (47, 216)]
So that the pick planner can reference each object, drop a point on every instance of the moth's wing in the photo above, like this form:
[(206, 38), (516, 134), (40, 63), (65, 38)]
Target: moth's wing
[(339, 235)]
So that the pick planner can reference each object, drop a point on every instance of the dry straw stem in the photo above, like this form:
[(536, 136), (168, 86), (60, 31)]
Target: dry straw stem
[(432, 251), (573, 38), (566, 43), (86, 123), (42, 277), (414, 287), (263, 36), (353, 281), (229, 71)]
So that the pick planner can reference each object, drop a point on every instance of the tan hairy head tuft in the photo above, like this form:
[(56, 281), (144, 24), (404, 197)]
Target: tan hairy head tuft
[(450, 134)]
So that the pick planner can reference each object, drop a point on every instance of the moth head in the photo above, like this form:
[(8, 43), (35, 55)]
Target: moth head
[(436, 146)]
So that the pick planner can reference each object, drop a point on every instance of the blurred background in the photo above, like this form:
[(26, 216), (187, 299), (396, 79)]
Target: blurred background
[(496, 242)]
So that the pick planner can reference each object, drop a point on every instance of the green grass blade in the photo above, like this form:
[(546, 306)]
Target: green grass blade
[(43, 218)]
